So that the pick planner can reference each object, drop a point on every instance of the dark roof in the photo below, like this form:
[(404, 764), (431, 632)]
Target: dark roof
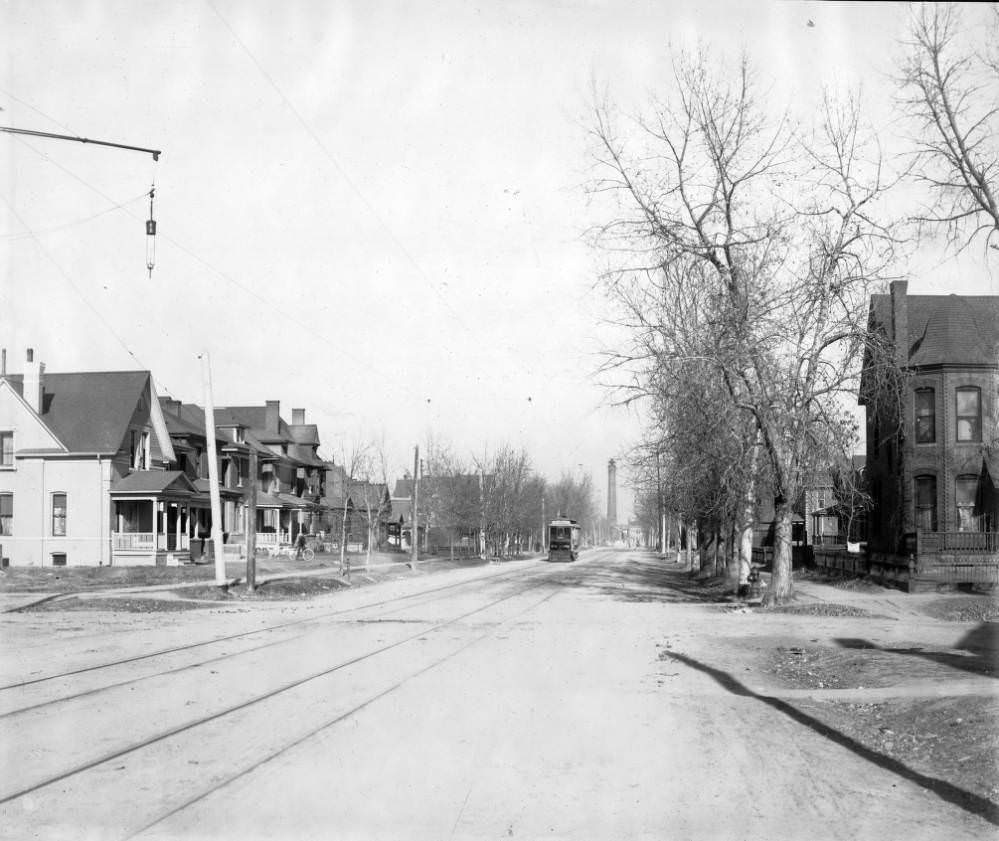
[(954, 329), (187, 419), (153, 482), (304, 433), (89, 412), (255, 418)]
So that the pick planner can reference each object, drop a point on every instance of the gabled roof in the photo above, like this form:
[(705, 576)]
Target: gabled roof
[(89, 412), (154, 482), (255, 419), (946, 329), (304, 433)]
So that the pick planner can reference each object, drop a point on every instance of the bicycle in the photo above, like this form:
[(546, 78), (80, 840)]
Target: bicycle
[(291, 552)]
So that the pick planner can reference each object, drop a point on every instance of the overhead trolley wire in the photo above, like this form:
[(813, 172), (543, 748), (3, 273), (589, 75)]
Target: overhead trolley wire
[(340, 170), (405, 386)]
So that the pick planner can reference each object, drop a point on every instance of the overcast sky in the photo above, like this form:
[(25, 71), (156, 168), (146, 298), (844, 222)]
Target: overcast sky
[(372, 210)]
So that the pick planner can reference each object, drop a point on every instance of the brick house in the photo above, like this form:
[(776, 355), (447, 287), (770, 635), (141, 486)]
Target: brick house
[(931, 443)]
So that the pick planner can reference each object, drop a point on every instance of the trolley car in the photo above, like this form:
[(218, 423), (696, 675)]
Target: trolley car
[(563, 539)]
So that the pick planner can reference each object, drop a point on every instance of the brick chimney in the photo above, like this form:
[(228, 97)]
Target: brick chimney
[(272, 416), (900, 322), (298, 417), (34, 382)]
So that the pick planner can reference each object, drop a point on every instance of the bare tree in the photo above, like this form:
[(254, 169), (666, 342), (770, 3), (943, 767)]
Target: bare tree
[(452, 493), (355, 464), (507, 474), (767, 240), (951, 91)]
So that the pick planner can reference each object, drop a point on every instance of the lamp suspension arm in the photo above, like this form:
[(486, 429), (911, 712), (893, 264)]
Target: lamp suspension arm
[(11, 130)]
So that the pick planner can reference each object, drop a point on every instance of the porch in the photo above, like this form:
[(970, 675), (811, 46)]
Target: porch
[(151, 511), (955, 557)]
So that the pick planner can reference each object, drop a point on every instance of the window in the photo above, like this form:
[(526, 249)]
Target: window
[(59, 515), (969, 414), (6, 514), (926, 416), (58, 559), (6, 449), (139, 450), (926, 503), (965, 494)]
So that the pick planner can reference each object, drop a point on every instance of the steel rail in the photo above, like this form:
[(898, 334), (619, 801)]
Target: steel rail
[(214, 640), (257, 699)]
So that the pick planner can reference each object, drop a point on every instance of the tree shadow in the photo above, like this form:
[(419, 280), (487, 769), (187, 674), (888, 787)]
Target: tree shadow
[(640, 580), (959, 797), (982, 642)]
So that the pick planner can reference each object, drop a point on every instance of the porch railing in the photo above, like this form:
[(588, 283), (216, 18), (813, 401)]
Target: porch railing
[(977, 542), (132, 541), (267, 538)]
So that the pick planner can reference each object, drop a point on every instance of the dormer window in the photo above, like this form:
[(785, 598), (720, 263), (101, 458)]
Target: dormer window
[(139, 450)]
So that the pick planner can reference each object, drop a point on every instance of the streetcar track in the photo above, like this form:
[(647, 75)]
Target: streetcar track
[(266, 629), (286, 687), (107, 687), (270, 757)]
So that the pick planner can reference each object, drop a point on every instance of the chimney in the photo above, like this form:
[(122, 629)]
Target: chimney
[(272, 416), (172, 406), (298, 417), (900, 322), (34, 382)]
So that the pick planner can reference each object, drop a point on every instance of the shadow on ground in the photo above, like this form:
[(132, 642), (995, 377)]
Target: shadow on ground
[(981, 643), (969, 801), (632, 578)]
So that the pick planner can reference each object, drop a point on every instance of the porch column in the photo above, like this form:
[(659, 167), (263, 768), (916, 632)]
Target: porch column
[(156, 536), (176, 527)]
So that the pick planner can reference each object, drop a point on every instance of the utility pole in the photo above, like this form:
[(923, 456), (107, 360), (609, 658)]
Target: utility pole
[(544, 536), (416, 506), (482, 513), (251, 525), (213, 473)]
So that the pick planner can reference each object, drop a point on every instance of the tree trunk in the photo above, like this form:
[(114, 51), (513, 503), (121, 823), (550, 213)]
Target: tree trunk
[(745, 553), (367, 557), (707, 549), (781, 585), (664, 535), (343, 537), (732, 558)]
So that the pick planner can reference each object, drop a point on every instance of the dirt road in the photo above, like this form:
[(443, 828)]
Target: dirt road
[(586, 701)]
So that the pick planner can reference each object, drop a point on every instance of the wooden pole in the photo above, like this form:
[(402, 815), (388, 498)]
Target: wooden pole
[(213, 474), (251, 525), (416, 503)]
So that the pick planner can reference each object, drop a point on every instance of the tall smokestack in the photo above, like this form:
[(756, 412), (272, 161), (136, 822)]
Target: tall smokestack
[(611, 493)]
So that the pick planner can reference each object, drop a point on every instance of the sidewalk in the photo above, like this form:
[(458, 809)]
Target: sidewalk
[(268, 570)]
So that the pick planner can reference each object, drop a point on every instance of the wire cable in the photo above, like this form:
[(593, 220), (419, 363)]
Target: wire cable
[(69, 280), (341, 171)]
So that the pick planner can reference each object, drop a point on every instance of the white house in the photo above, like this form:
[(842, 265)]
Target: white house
[(83, 478)]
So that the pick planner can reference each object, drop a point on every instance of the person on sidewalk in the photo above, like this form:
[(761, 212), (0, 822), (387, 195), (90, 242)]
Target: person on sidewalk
[(300, 546)]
